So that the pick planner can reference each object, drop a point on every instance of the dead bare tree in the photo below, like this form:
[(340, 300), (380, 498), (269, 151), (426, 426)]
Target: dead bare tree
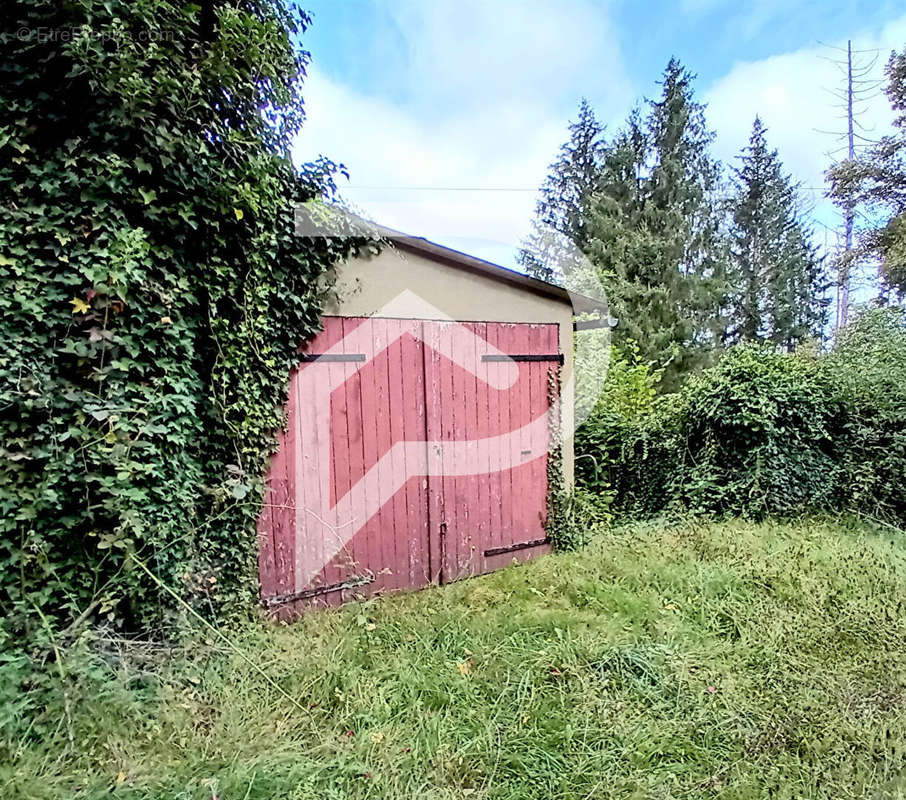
[(858, 88)]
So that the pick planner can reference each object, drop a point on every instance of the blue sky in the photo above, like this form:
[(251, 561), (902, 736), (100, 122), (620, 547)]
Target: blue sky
[(447, 112)]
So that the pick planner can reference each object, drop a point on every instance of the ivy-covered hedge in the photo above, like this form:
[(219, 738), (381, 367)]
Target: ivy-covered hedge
[(764, 432), (865, 375), (755, 435), (154, 297)]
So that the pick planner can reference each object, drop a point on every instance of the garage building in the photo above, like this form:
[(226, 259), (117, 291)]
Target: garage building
[(419, 429)]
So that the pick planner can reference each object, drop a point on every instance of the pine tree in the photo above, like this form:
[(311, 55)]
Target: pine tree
[(562, 210), (655, 227), (777, 279)]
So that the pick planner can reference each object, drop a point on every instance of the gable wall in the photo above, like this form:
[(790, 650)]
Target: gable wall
[(409, 285)]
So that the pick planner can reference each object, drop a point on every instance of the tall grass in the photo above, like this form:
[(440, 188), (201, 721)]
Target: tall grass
[(727, 660)]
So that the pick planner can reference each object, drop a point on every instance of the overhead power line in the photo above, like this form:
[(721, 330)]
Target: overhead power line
[(486, 188), (444, 188)]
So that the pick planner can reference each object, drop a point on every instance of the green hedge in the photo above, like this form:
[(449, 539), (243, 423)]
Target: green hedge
[(765, 433), (865, 376), (154, 298), (755, 436)]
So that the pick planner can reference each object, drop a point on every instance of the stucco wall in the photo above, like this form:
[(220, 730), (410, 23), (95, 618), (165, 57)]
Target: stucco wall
[(412, 286)]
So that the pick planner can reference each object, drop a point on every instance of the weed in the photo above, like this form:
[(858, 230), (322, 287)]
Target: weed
[(696, 659)]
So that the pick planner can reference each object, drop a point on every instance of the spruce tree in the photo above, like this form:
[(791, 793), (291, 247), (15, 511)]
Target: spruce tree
[(777, 279), (562, 211), (655, 231)]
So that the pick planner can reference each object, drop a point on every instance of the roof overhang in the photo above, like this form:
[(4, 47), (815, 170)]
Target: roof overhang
[(581, 304)]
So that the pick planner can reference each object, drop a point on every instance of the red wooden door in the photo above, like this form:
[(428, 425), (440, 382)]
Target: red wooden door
[(415, 452), (491, 422)]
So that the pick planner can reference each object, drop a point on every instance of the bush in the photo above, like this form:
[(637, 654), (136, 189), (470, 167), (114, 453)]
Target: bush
[(756, 436), (865, 375), (632, 460), (155, 296), (625, 450), (765, 433)]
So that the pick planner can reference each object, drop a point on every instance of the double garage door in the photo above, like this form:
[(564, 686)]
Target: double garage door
[(416, 452)]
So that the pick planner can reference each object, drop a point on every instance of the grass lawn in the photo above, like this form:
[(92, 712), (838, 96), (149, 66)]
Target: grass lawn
[(727, 660)]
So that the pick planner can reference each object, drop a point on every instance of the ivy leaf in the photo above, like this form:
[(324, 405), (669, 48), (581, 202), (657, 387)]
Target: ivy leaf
[(116, 418), (99, 334)]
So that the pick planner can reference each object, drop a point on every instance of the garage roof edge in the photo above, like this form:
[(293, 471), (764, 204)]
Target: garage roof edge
[(582, 304)]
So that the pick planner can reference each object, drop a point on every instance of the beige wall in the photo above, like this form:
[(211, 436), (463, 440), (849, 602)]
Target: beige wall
[(405, 285)]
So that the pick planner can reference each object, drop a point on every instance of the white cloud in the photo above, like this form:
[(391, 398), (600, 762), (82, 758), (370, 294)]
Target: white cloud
[(478, 94), (792, 95), (385, 147), (474, 51), (488, 112)]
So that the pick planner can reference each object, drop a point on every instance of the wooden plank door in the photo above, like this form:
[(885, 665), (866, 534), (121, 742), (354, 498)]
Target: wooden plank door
[(489, 417), (415, 453), (346, 505)]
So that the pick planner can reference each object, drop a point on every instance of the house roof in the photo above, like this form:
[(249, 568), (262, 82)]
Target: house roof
[(582, 304)]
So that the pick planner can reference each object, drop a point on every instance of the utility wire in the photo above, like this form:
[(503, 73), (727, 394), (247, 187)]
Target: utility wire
[(484, 188)]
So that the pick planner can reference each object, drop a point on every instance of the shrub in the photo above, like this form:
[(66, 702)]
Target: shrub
[(625, 450), (865, 375), (155, 296), (755, 431), (764, 432)]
